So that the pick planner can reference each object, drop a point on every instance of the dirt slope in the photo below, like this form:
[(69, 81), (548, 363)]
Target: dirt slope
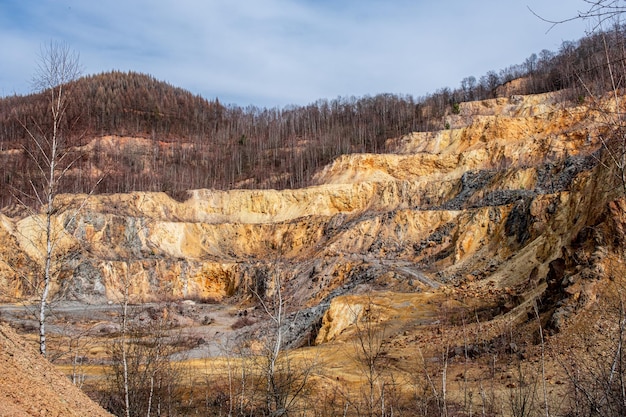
[(31, 386)]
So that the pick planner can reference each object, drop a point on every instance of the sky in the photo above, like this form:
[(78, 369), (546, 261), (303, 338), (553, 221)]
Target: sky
[(275, 53)]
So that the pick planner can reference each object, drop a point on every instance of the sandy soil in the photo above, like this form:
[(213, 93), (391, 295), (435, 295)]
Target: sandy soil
[(31, 386)]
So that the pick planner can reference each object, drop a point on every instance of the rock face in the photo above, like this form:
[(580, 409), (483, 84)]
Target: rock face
[(494, 198)]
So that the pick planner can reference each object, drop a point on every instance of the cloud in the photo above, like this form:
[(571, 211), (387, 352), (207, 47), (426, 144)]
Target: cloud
[(278, 52)]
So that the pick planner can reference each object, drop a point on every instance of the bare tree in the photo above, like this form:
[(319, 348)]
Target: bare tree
[(598, 11), (286, 381), (596, 374), (58, 66), (369, 351), (143, 378)]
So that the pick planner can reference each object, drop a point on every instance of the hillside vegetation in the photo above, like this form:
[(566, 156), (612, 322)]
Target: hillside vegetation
[(140, 134)]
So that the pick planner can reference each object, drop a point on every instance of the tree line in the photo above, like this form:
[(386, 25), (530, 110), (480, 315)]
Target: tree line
[(200, 143)]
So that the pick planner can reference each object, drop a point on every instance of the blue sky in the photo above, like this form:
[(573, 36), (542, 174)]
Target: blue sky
[(280, 52)]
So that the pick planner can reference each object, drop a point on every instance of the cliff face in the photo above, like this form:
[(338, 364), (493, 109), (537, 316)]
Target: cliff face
[(493, 200)]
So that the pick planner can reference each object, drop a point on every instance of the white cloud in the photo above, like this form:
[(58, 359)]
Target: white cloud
[(278, 52)]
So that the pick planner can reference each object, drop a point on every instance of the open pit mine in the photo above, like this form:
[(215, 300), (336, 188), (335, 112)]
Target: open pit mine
[(460, 255)]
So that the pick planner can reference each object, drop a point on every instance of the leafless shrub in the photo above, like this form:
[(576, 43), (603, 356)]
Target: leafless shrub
[(241, 322), (597, 372), (142, 369)]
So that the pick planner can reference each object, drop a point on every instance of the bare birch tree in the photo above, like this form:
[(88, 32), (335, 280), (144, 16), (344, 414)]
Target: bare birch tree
[(58, 66)]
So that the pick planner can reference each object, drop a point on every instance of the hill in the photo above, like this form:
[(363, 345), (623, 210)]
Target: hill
[(140, 134)]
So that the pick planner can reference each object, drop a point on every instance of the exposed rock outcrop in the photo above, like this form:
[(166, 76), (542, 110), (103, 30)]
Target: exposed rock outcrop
[(495, 198)]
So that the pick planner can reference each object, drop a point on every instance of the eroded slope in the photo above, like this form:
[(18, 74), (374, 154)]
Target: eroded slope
[(30, 385), (493, 199)]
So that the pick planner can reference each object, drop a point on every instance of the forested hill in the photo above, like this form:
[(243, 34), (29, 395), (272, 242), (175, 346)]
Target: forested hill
[(141, 134), (123, 103)]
